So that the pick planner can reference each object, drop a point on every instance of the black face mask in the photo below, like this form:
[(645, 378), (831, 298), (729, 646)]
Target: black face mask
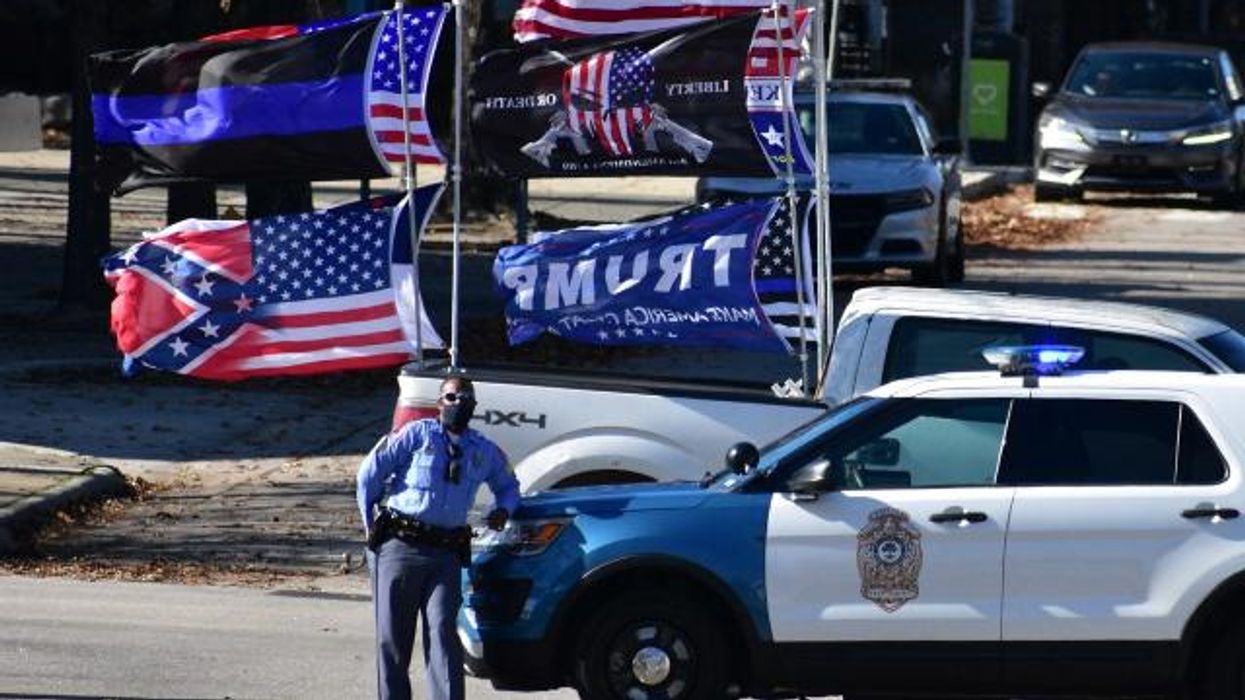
[(456, 416)]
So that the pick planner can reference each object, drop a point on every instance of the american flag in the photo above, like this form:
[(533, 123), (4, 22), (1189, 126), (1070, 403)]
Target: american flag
[(610, 96), (294, 294), (774, 268), (421, 29), (567, 19)]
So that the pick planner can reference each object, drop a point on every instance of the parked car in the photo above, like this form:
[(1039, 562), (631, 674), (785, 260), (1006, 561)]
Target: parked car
[(965, 533), (1144, 116), (572, 428), (894, 188)]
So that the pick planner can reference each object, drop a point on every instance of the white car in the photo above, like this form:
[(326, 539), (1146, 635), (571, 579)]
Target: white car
[(894, 186), (963, 533)]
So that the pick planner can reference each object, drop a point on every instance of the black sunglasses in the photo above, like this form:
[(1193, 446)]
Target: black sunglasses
[(455, 452), (456, 396)]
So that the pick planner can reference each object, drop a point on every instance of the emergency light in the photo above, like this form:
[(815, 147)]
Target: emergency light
[(1032, 360)]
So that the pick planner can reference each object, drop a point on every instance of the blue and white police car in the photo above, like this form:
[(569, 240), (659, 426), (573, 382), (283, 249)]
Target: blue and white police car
[(969, 533)]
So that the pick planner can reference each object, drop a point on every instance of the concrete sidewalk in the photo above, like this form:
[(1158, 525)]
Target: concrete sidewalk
[(35, 483)]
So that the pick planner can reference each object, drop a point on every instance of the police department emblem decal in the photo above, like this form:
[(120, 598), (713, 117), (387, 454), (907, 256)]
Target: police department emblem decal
[(888, 556)]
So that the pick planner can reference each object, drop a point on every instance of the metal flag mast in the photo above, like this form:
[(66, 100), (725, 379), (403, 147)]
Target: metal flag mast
[(456, 176), (823, 69), (408, 183), (797, 253)]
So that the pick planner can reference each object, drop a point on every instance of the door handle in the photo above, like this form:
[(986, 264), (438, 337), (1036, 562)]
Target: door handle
[(1209, 511), (957, 515)]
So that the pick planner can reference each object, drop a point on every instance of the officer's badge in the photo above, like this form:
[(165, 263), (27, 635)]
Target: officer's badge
[(888, 556)]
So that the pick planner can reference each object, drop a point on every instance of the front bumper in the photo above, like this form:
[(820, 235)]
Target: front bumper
[(512, 665), (1146, 168), (865, 237)]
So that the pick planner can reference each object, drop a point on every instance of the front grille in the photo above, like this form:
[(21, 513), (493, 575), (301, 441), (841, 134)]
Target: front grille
[(854, 221), (500, 600)]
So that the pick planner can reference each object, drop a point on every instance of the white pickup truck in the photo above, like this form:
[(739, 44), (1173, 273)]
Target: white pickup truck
[(564, 428)]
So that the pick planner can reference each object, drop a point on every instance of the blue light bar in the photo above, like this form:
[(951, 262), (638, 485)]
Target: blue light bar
[(1039, 360)]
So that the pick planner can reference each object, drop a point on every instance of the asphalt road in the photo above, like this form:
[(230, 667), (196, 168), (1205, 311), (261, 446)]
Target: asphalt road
[(74, 640)]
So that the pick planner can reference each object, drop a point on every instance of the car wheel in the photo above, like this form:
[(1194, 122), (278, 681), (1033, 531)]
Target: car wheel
[(956, 265), (941, 272), (1045, 193), (1222, 675), (651, 645)]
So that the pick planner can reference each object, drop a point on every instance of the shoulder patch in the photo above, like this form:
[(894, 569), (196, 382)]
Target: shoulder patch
[(889, 558)]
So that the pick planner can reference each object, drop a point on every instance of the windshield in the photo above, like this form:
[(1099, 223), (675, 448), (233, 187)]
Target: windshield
[(1228, 346), (856, 127), (1166, 76)]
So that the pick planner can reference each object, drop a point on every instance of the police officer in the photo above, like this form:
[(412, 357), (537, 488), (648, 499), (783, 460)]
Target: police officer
[(427, 474)]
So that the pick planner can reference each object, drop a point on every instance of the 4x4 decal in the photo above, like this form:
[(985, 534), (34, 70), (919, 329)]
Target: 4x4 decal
[(514, 419)]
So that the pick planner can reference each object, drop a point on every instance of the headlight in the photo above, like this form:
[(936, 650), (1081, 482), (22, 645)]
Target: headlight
[(1057, 132), (1206, 135), (909, 199), (525, 538)]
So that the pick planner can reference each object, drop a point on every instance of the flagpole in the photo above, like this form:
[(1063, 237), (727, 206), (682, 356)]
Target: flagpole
[(823, 71), (797, 253), (408, 183), (456, 170)]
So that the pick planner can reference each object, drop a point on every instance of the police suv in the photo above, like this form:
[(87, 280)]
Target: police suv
[(1016, 532)]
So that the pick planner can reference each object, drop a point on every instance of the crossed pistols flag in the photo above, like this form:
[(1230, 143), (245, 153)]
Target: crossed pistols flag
[(302, 293), (702, 99), (314, 102)]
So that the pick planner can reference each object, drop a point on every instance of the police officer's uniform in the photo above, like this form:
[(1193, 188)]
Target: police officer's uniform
[(415, 568)]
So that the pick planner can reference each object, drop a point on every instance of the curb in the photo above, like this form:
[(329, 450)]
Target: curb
[(23, 517)]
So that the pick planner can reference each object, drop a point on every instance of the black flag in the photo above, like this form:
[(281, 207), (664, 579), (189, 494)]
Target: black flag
[(699, 100)]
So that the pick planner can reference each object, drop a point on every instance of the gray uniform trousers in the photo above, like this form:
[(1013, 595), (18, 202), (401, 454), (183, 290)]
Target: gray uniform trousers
[(412, 581)]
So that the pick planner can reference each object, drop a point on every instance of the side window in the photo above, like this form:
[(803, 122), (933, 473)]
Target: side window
[(1116, 351), (1231, 79), (1199, 461), (1090, 442), (921, 346), (923, 443)]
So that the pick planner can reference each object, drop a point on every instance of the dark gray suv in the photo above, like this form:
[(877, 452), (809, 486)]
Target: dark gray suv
[(1144, 116)]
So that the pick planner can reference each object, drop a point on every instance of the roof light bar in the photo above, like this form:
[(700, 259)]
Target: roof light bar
[(1032, 360), (878, 84)]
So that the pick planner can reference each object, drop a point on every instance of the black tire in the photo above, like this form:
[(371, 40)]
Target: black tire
[(680, 629), (941, 272), (1056, 193), (1045, 193), (1222, 674)]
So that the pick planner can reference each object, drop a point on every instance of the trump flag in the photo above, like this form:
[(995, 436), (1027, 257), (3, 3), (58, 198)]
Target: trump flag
[(703, 100), (682, 279), (302, 293), (572, 19), (315, 102)]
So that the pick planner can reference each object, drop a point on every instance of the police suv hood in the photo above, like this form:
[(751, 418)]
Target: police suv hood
[(849, 174), (1137, 114), (612, 499)]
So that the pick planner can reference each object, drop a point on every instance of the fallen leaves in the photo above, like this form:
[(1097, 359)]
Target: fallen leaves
[(1012, 221)]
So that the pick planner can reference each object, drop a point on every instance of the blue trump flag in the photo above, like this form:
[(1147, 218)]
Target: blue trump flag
[(681, 279)]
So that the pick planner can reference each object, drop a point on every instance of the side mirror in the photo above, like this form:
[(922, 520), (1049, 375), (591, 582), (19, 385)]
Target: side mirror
[(947, 147), (742, 457), (1040, 90), (810, 480)]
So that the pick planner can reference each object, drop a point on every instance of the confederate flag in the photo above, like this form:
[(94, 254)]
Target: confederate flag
[(294, 294)]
